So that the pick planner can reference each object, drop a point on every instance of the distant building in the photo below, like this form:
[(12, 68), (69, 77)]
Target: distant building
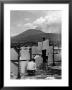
[(13, 68), (57, 55), (50, 55), (13, 54), (13, 65), (24, 58), (24, 53)]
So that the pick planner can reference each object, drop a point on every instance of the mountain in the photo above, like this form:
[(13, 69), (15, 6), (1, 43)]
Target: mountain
[(34, 36)]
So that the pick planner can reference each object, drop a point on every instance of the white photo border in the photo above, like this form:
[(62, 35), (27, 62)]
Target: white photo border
[(65, 32)]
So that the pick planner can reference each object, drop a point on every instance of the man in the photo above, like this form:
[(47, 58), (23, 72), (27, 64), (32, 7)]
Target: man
[(44, 47), (31, 67)]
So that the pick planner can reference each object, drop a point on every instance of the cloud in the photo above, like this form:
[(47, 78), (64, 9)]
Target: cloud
[(29, 26), (26, 19), (19, 25), (50, 18), (53, 28), (39, 21), (50, 23), (54, 16)]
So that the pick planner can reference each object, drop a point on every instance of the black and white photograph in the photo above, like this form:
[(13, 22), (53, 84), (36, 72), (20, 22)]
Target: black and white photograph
[(36, 44)]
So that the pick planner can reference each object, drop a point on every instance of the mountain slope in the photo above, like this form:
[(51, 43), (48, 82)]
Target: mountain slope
[(34, 36)]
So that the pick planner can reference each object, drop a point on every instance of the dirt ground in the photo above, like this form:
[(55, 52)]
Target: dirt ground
[(52, 72)]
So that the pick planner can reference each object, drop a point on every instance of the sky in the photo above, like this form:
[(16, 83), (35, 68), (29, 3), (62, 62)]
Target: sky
[(48, 21)]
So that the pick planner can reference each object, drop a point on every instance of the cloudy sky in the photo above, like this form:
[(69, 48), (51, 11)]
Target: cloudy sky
[(48, 21)]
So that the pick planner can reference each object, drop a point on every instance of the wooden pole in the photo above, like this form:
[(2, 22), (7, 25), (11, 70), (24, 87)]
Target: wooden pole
[(18, 76), (30, 50), (53, 56)]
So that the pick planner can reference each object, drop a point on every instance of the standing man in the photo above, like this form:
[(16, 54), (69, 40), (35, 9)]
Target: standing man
[(44, 46)]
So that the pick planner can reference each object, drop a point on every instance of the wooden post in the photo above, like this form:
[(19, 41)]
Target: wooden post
[(53, 56), (30, 50), (18, 76)]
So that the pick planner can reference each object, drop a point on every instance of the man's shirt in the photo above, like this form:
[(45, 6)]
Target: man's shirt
[(31, 66)]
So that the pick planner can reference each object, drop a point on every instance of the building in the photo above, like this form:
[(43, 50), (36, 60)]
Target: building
[(13, 61)]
